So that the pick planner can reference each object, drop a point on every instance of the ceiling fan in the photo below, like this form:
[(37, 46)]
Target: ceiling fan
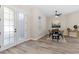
[(57, 14)]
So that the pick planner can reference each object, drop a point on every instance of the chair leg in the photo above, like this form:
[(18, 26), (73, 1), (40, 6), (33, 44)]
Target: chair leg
[(49, 34), (57, 40)]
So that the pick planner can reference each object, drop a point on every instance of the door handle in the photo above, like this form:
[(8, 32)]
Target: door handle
[(15, 30), (0, 19), (0, 33)]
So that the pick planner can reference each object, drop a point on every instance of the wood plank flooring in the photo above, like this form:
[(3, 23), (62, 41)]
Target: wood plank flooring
[(44, 46)]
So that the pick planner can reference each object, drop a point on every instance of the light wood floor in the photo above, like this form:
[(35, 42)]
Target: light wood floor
[(44, 46)]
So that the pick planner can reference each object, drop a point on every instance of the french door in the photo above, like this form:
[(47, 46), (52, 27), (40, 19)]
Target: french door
[(9, 26), (14, 27), (21, 26)]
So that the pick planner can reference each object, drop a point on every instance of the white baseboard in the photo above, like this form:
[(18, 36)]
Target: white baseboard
[(38, 37)]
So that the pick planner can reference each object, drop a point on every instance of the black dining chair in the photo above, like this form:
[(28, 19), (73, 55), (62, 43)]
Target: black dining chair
[(56, 34)]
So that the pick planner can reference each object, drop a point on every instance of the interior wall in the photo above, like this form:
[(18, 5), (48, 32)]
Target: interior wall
[(48, 23), (73, 19), (1, 28), (68, 20), (38, 26), (62, 19)]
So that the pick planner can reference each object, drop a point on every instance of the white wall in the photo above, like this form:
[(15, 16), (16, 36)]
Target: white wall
[(68, 20), (62, 19), (38, 26), (73, 19), (33, 25)]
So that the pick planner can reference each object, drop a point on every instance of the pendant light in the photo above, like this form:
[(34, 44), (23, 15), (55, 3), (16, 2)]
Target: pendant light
[(57, 14)]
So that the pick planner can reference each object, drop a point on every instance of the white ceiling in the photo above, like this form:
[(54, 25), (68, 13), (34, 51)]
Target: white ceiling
[(49, 10)]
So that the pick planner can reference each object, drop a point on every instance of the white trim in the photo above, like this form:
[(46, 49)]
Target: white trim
[(38, 37)]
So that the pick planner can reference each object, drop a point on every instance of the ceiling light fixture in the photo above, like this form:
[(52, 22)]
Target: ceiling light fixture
[(57, 14)]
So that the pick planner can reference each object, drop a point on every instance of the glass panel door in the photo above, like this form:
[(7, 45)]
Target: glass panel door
[(8, 26), (21, 26)]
